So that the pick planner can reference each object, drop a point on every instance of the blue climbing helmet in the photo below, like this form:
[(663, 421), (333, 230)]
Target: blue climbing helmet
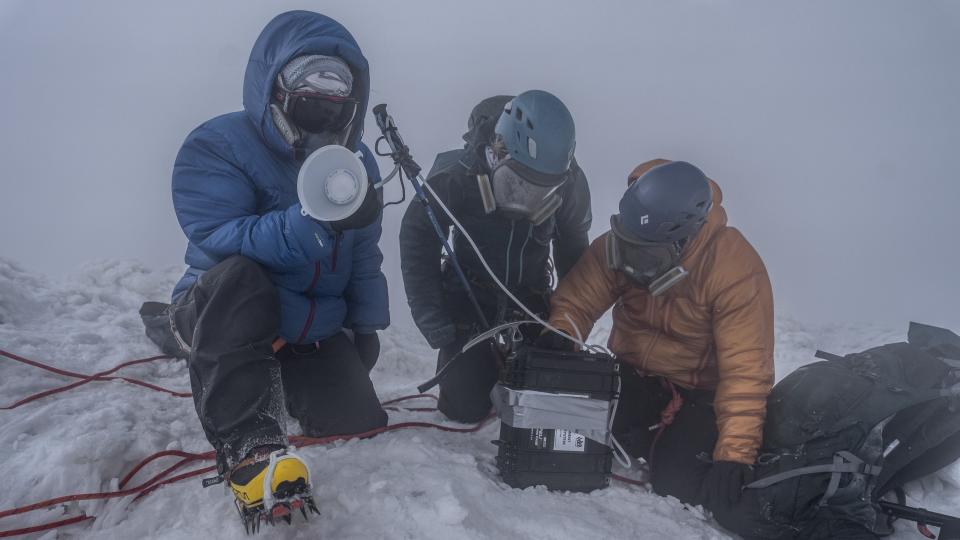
[(669, 203), (537, 130), (659, 213)]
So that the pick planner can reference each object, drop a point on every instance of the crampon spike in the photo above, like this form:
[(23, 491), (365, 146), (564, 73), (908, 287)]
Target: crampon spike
[(254, 516)]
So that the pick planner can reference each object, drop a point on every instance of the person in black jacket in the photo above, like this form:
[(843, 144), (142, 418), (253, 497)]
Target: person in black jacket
[(515, 187)]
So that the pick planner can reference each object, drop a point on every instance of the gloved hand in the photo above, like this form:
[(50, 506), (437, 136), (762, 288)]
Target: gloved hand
[(554, 341), (724, 483), (368, 348)]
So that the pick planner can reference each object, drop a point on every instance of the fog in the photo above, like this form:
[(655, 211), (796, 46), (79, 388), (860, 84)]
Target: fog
[(832, 127)]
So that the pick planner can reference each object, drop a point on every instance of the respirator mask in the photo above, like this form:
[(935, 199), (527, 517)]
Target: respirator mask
[(651, 265), (518, 191)]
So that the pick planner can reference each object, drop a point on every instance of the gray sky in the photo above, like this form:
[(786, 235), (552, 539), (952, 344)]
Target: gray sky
[(831, 126)]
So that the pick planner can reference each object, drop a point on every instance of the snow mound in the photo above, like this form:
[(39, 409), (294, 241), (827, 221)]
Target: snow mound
[(406, 484)]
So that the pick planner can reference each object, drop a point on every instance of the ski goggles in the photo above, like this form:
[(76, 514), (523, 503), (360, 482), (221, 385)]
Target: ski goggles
[(522, 193), (318, 113), (652, 265)]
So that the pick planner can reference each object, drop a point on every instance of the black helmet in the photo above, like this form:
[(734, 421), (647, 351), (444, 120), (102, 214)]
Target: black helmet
[(667, 204)]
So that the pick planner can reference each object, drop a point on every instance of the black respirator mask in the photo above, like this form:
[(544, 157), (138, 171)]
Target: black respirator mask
[(653, 266), (310, 121), (518, 191)]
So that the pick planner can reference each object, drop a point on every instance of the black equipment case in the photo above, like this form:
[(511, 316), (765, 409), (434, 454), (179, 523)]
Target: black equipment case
[(558, 459)]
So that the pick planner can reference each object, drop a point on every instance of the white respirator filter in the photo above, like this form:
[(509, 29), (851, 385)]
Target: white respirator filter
[(332, 183)]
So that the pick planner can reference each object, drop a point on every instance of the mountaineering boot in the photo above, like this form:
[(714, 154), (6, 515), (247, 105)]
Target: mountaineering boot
[(270, 485)]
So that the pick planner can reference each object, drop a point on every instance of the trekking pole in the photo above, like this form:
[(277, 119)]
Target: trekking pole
[(400, 153), (949, 525)]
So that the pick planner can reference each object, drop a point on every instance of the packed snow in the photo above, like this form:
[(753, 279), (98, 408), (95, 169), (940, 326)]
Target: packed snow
[(413, 483)]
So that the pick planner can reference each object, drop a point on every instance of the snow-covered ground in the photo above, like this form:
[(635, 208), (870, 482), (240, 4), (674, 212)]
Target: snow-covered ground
[(415, 483)]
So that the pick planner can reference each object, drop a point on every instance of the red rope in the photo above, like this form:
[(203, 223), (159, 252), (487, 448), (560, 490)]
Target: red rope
[(84, 379), (46, 526), (626, 480), (105, 376), (667, 415), (160, 479)]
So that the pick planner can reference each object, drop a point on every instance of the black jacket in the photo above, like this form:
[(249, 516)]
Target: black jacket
[(517, 251)]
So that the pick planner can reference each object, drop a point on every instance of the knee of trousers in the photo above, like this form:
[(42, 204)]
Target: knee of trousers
[(243, 287), (467, 411), (239, 273), (243, 269)]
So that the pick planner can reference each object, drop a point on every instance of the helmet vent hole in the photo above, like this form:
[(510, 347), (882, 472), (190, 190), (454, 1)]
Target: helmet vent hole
[(701, 204), (529, 123), (519, 114)]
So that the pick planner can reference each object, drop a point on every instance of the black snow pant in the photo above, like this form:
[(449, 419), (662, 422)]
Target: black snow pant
[(465, 390), (681, 456), (227, 322)]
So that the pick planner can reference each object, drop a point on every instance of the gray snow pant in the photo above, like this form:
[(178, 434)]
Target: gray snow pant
[(226, 323)]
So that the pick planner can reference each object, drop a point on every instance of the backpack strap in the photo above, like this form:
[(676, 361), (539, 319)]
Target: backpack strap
[(824, 355), (843, 462)]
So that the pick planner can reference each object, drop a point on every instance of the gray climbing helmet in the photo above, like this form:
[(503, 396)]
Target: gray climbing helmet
[(537, 130)]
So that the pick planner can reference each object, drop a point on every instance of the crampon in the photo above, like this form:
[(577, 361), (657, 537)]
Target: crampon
[(271, 490)]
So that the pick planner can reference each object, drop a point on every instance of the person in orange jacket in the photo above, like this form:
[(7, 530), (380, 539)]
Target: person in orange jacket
[(692, 327)]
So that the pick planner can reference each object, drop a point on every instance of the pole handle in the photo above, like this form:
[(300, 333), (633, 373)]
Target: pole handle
[(399, 151)]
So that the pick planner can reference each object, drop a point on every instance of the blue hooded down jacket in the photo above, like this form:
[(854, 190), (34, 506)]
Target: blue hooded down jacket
[(235, 193)]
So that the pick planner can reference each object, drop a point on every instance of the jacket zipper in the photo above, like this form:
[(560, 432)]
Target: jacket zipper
[(316, 277), (313, 303), (523, 248), (306, 326)]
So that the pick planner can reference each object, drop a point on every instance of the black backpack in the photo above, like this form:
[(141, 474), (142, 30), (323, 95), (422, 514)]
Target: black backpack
[(844, 433)]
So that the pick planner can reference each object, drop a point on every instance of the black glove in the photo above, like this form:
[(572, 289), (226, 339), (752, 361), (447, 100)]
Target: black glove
[(724, 483), (368, 348), (554, 341)]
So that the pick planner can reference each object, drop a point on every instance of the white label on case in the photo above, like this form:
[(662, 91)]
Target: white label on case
[(569, 441)]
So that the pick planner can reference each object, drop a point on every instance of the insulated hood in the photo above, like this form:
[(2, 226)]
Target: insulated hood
[(483, 118), (289, 35)]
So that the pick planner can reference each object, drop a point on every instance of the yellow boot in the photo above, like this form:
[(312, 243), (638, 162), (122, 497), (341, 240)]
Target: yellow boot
[(270, 486)]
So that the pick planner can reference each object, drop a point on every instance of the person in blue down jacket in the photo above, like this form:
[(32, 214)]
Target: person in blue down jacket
[(278, 312)]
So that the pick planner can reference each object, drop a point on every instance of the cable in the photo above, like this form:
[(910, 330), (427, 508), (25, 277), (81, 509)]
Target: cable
[(496, 280)]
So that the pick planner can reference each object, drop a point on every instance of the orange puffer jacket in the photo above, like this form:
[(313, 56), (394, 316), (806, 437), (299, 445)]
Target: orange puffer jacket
[(712, 330)]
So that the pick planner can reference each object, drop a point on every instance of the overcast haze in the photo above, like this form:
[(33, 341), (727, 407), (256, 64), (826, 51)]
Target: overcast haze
[(832, 127)]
